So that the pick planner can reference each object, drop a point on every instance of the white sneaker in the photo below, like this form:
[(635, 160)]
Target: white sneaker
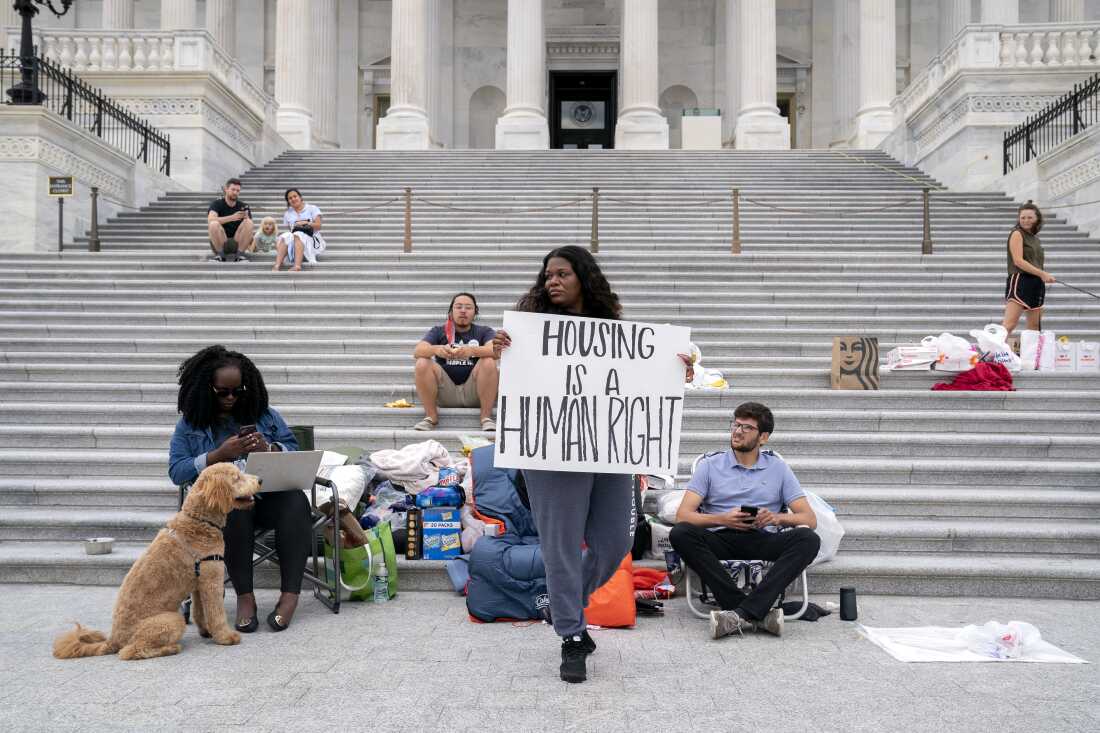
[(724, 623), (773, 622)]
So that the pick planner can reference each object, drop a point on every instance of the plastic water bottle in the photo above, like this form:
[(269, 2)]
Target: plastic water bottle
[(381, 583)]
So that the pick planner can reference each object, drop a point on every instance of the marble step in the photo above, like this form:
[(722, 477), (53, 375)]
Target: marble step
[(776, 374), (918, 471), (977, 574), (942, 420), (692, 441), (890, 537), (372, 395)]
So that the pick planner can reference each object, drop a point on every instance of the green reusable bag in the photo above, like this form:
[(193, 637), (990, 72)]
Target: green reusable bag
[(356, 577), (358, 565)]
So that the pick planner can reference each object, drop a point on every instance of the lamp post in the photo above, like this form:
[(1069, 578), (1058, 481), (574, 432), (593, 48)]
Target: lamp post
[(27, 91)]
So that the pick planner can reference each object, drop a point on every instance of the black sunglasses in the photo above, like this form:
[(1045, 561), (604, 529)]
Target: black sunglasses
[(224, 392)]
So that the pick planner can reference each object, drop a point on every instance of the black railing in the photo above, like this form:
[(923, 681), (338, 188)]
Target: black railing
[(88, 108), (1058, 122)]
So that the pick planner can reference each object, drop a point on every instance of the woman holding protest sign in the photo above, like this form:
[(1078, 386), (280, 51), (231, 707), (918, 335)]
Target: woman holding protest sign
[(575, 510)]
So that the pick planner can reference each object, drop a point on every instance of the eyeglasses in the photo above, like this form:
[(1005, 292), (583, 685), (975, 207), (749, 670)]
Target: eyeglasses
[(742, 427), (224, 392)]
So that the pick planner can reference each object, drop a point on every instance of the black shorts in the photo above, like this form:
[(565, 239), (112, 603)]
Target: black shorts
[(1026, 290)]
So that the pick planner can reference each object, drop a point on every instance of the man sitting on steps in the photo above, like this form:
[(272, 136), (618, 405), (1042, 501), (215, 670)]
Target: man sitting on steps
[(455, 365), (713, 525), (229, 223)]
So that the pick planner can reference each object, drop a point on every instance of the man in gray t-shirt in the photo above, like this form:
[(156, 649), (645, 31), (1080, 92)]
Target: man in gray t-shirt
[(455, 366), (731, 511)]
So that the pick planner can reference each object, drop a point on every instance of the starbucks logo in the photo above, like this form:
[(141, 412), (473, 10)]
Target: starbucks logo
[(583, 113)]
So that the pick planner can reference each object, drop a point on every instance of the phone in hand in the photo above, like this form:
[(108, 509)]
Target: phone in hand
[(750, 509), (246, 430)]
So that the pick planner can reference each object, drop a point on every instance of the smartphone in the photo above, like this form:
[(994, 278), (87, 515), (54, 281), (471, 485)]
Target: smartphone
[(749, 509), (246, 430)]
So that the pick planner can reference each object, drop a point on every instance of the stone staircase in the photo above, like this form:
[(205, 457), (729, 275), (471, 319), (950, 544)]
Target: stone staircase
[(940, 493)]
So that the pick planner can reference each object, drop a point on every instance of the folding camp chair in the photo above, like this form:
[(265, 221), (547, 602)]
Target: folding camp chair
[(326, 591), (747, 574)]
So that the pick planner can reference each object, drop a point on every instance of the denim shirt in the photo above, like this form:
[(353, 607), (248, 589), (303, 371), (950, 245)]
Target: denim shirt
[(189, 446)]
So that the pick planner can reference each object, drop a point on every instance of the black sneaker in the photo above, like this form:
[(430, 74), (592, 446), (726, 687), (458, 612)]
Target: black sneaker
[(573, 654), (588, 641)]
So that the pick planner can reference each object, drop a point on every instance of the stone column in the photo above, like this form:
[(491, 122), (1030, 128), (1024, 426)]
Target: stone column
[(117, 14), (954, 15), (1001, 12), (325, 48), (640, 126), (177, 15), (845, 69), (294, 63), (221, 23), (9, 19), (405, 126), (759, 125), (523, 125), (1067, 11), (877, 78)]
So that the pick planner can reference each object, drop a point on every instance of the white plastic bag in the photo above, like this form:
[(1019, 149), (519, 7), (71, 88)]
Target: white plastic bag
[(993, 344), (1000, 641), (828, 528), (1065, 355), (1037, 350), (953, 353), (1088, 356), (668, 504)]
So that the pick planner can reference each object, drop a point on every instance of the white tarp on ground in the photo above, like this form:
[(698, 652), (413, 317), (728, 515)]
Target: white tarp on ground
[(943, 644)]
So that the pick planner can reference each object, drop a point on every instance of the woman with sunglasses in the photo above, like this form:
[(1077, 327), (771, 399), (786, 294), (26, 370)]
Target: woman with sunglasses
[(225, 416)]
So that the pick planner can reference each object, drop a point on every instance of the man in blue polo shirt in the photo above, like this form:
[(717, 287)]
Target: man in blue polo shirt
[(712, 527)]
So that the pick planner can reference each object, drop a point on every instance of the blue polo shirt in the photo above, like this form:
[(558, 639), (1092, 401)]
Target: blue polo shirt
[(725, 484)]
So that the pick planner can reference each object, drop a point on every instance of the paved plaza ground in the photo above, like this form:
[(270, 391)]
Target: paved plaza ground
[(417, 663)]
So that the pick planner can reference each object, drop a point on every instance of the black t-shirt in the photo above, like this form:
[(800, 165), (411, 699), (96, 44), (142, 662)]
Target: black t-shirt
[(459, 369), (221, 208)]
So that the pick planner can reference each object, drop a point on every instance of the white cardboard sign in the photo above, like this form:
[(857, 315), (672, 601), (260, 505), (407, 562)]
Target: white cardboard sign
[(588, 394)]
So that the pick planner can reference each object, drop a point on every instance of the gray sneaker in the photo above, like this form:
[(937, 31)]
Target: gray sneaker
[(724, 623), (772, 623)]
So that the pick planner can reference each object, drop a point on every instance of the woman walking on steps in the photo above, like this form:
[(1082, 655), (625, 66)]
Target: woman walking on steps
[(1027, 282), (572, 508)]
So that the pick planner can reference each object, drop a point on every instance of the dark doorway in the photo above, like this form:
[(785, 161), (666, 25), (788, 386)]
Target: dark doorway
[(582, 109)]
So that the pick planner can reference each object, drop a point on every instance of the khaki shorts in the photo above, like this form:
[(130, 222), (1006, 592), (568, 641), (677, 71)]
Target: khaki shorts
[(455, 395)]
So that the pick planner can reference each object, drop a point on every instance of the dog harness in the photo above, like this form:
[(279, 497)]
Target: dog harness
[(198, 560)]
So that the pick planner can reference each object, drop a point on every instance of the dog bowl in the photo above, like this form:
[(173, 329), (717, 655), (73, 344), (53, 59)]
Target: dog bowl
[(99, 545)]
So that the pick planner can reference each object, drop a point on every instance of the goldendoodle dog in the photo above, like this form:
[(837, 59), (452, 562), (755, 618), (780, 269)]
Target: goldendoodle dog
[(184, 559)]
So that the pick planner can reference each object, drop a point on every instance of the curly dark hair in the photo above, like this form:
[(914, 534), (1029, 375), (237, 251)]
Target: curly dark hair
[(1038, 216), (599, 300), (197, 401)]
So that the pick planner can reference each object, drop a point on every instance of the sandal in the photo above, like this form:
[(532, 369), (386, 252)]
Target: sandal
[(488, 425), (426, 424)]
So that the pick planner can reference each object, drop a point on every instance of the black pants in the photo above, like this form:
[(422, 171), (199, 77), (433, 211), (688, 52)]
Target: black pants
[(790, 552), (288, 513)]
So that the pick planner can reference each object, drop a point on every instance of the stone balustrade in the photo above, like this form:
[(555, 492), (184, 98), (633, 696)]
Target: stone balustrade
[(140, 50), (1038, 46)]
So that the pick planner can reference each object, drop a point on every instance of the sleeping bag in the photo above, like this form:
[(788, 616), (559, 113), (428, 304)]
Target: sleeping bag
[(507, 576)]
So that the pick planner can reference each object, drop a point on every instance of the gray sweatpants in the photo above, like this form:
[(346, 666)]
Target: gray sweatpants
[(596, 509)]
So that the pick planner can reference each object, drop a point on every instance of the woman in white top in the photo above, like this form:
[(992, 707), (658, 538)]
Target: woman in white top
[(303, 240)]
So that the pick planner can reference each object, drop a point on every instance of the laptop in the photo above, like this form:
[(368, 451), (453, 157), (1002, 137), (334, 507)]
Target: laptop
[(284, 471)]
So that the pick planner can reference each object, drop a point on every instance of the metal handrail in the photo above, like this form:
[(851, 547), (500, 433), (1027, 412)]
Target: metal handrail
[(1057, 122), (89, 108)]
